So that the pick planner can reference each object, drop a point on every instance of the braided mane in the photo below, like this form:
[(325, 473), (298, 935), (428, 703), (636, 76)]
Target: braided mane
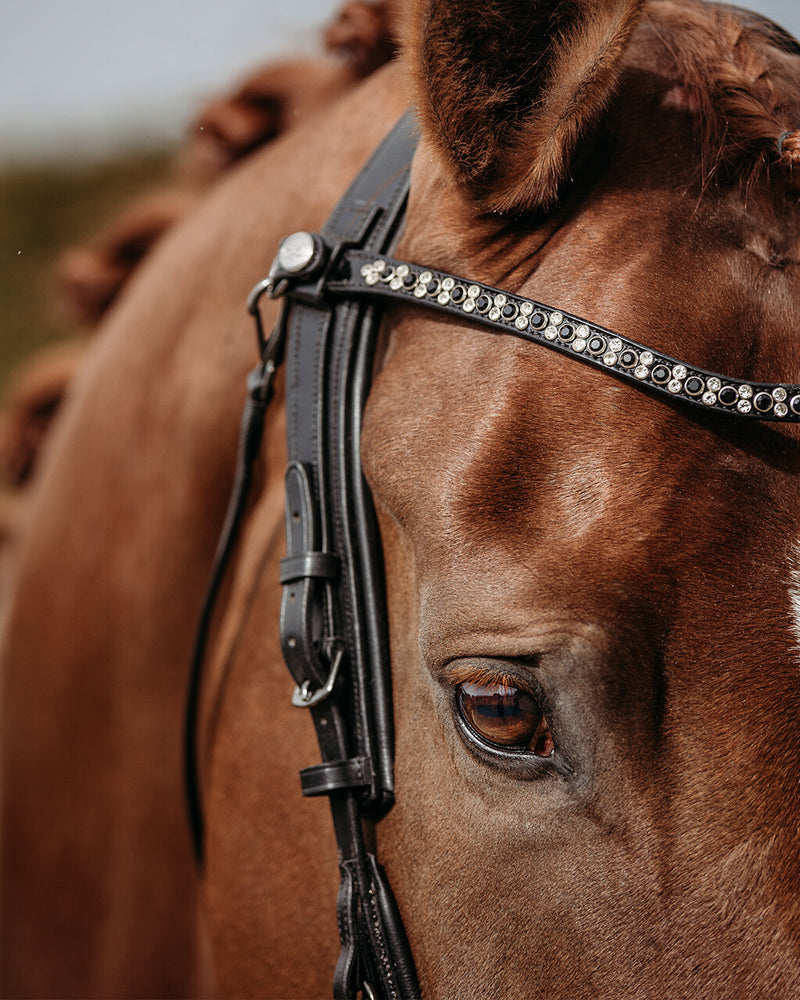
[(740, 74)]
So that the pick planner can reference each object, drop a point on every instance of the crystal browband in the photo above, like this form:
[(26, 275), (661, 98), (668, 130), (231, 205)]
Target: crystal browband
[(360, 274)]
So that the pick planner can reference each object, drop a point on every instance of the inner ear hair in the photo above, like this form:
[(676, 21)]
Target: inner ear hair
[(508, 90)]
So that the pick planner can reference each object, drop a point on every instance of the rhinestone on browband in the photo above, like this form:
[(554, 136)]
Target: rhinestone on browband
[(572, 335)]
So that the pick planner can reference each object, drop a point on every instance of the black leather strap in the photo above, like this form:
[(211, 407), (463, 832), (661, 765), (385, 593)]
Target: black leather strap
[(333, 628), (333, 617)]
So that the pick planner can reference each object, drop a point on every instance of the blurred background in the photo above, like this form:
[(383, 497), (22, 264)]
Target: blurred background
[(95, 96)]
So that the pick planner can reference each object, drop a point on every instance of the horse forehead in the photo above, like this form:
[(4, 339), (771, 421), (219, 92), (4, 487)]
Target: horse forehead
[(556, 485), (496, 450)]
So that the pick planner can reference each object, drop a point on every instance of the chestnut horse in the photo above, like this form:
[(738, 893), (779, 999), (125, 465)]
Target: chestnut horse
[(626, 566)]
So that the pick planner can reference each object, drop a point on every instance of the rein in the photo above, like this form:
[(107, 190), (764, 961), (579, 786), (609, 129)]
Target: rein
[(333, 616)]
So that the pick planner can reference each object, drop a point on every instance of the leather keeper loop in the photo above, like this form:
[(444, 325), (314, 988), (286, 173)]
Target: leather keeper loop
[(336, 775), (317, 565)]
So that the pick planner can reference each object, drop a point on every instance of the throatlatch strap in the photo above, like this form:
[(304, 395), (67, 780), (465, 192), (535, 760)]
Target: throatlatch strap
[(259, 395), (333, 616)]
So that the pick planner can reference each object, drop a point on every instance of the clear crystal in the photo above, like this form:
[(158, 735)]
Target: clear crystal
[(425, 277), (494, 314), (709, 398), (642, 371), (473, 291), (500, 300), (372, 278), (420, 291), (781, 409), (779, 394), (469, 306), (526, 308), (556, 318), (714, 384), (744, 406), (443, 298), (679, 371), (609, 358), (396, 283), (551, 333), (521, 322), (746, 391), (579, 345), (582, 331), (674, 385), (448, 284), (402, 270), (647, 358), (615, 345)]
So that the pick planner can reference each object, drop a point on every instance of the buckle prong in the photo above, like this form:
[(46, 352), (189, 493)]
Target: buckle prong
[(305, 697)]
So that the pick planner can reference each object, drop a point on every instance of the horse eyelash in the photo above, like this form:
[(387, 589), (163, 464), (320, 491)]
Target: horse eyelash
[(463, 674)]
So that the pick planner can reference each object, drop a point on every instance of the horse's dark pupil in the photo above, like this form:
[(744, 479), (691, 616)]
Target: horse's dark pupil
[(500, 710), (500, 714)]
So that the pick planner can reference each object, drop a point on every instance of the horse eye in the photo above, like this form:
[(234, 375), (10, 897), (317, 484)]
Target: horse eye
[(505, 716)]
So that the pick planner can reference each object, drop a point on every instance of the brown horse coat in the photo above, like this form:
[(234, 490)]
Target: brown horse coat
[(632, 566)]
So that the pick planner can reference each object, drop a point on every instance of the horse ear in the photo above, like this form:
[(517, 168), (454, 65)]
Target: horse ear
[(507, 89)]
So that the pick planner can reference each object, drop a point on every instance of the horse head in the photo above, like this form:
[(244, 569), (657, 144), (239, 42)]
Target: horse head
[(592, 588), (592, 594)]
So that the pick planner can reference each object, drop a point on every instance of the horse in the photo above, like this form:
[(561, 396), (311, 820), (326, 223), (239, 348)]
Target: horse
[(592, 589)]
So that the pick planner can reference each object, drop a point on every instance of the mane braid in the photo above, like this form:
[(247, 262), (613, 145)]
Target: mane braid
[(744, 89)]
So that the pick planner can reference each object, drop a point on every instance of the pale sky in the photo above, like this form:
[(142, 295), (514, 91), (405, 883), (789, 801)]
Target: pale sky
[(83, 72), (78, 69)]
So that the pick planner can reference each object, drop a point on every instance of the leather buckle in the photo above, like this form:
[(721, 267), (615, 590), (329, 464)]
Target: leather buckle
[(304, 696)]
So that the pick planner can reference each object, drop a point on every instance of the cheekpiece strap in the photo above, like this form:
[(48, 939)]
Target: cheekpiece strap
[(333, 614)]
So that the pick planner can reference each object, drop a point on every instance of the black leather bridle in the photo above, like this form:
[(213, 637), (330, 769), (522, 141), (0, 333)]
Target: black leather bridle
[(333, 617)]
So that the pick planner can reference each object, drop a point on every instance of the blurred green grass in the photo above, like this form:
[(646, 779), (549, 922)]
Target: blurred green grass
[(44, 210)]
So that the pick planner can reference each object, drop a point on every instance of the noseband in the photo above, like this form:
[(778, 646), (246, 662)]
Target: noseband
[(333, 614)]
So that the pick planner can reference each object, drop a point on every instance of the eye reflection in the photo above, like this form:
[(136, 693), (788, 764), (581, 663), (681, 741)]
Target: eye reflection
[(506, 716)]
